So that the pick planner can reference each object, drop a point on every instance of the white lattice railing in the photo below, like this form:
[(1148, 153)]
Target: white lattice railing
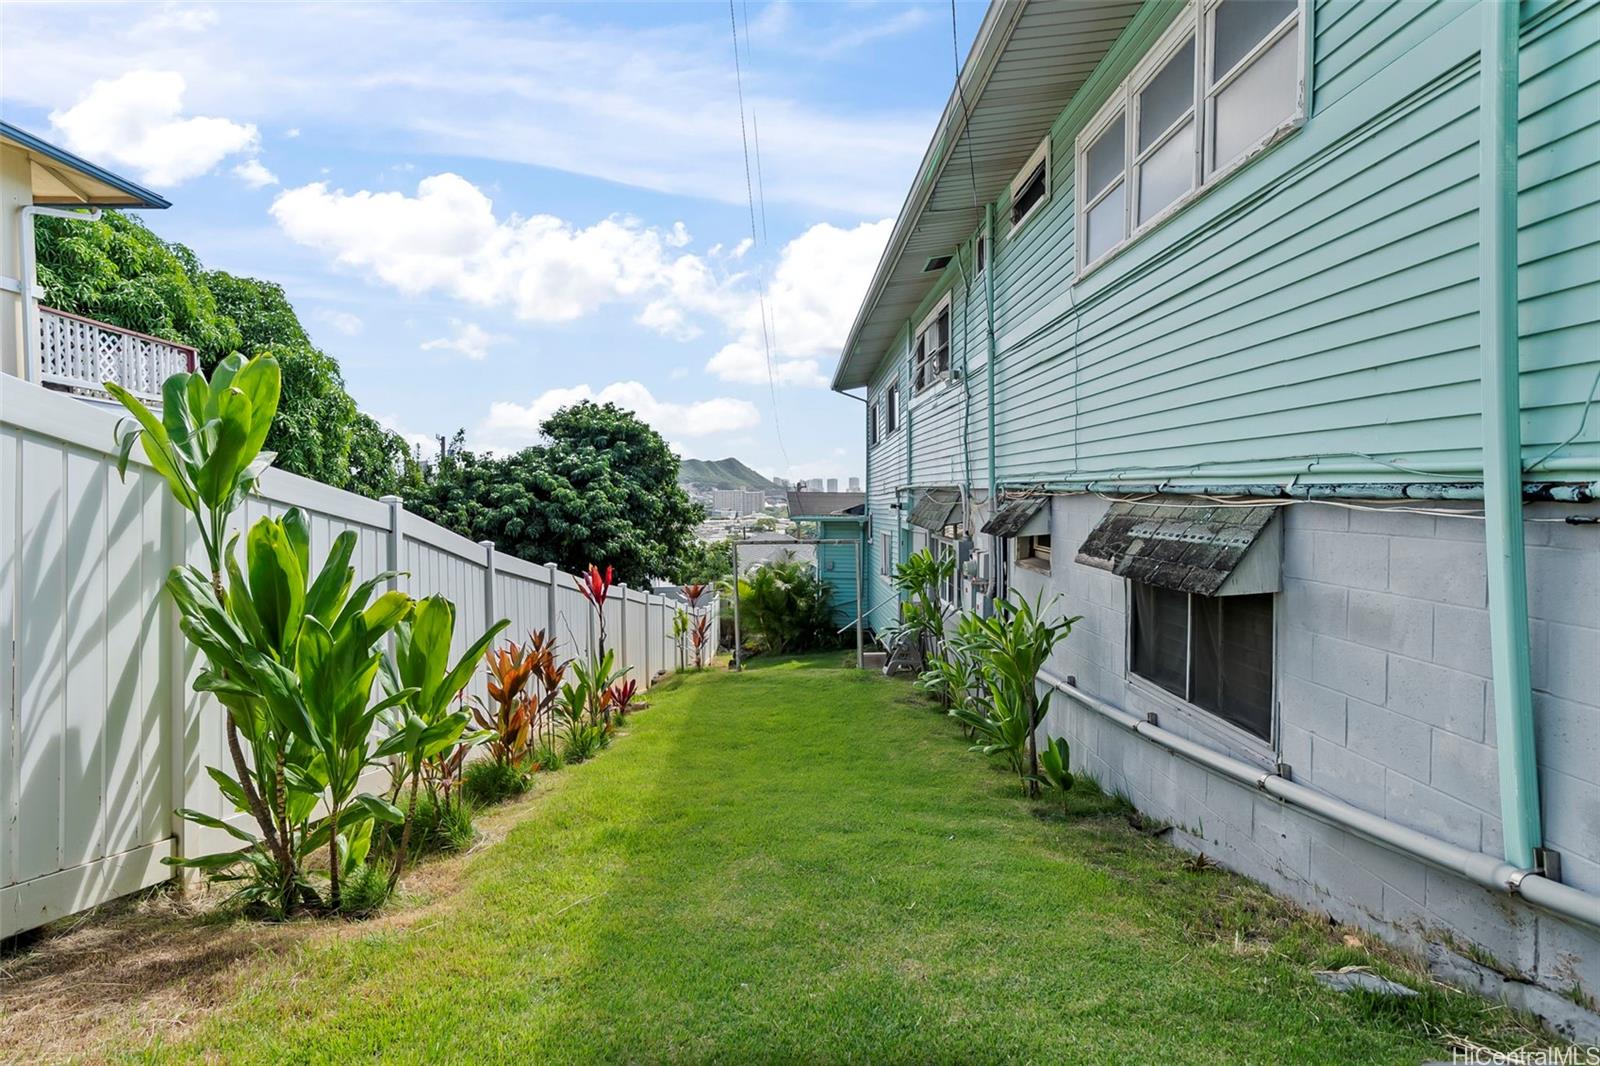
[(81, 354)]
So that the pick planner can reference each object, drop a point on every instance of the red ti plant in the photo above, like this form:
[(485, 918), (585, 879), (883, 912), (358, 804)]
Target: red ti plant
[(699, 636), (547, 678), (622, 694), (692, 594), (508, 715), (595, 587)]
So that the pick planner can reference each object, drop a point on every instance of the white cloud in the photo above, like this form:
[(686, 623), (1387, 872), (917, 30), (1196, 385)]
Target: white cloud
[(342, 321), (292, 132), (423, 443), (470, 340), (254, 174), (137, 120), (510, 425), (448, 238), (651, 106), (819, 281)]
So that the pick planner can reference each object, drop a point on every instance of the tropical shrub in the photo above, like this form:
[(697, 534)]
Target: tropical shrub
[(294, 663), (490, 781), (583, 740), (680, 633), (423, 725), (437, 825), (621, 695), (786, 607), (366, 890), (922, 615), (546, 756), (508, 714), (1054, 763), (595, 586), (700, 636), (1013, 645)]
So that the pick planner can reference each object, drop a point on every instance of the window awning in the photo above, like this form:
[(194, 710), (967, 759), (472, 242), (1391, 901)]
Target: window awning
[(1016, 518), (1210, 551), (936, 509)]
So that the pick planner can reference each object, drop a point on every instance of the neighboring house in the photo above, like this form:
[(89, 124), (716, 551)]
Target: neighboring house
[(39, 343), (839, 518), (1204, 318)]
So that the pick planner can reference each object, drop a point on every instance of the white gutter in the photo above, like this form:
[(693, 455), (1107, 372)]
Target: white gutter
[(1487, 870), (29, 370)]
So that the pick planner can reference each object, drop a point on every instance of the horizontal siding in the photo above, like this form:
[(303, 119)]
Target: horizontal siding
[(1321, 302)]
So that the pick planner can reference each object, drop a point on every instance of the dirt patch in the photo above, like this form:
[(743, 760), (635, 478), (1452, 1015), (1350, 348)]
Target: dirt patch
[(152, 966)]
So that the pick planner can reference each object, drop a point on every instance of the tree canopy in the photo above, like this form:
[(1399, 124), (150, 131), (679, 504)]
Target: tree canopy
[(116, 270), (602, 489)]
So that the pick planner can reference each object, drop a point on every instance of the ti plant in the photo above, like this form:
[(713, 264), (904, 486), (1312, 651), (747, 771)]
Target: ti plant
[(680, 633), (922, 615), (700, 636), (1014, 644), (622, 695), (1054, 761), (595, 586), (424, 683), (508, 714), (207, 447), (293, 658)]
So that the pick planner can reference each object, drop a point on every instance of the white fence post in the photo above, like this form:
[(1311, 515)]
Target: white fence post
[(183, 835), (648, 607), (397, 510), (490, 615), (622, 628), (554, 631)]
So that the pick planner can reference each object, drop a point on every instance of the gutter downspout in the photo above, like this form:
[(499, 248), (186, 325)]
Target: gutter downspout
[(995, 542), (29, 370), (1502, 434)]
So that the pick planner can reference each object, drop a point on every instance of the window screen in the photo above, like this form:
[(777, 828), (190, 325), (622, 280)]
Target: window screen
[(1232, 655), (1161, 637), (1029, 195), (1213, 651)]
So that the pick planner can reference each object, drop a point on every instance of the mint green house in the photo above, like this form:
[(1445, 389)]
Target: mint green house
[(1266, 335), (838, 518)]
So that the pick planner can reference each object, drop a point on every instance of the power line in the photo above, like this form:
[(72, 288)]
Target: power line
[(755, 236)]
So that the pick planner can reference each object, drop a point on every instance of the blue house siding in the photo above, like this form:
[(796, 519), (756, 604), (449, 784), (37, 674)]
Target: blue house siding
[(836, 565)]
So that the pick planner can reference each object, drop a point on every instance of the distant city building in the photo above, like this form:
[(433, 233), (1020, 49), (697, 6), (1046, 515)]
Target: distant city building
[(738, 501), (855, 484), (833, 484)]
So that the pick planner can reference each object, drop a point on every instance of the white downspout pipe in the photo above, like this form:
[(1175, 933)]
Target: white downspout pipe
[(1487, 870), (29, 370)]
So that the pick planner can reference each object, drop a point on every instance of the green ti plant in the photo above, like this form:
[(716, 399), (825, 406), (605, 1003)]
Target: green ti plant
[(1013, 645), (426, 721), (922, 615), (680, 633), (955, 669), (1054, 763), (207, 446), (292, 657)]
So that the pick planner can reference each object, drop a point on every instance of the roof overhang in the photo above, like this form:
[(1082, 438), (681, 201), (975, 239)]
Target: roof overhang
[(61, 179), (1029, 58)]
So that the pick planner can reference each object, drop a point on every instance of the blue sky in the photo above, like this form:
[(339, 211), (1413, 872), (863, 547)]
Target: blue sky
[(486, 211)]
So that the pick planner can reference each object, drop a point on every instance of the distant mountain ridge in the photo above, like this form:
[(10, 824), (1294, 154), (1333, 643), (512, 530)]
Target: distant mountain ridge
[(727, 473)]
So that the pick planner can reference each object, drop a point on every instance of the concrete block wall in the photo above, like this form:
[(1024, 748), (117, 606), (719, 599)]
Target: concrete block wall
[(1381, 670)]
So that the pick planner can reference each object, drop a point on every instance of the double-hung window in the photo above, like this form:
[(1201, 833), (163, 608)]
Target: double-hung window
[(872, 425), (930, 359), (1226, 79), (891, 408), (885, 552), (1212, 651)]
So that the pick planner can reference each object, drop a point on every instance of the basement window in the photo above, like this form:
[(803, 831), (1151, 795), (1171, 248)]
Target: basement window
[(1227, 79), (1214, 652), (1031, 187), (930, 361)]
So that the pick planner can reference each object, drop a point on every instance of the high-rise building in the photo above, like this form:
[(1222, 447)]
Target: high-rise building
[(855, 484), (833, 484), (738, 501)]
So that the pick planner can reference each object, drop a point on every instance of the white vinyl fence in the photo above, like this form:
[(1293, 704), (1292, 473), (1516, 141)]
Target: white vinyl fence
[(101, 736)]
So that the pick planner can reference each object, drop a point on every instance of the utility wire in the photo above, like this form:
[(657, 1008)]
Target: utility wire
[(750, 197)]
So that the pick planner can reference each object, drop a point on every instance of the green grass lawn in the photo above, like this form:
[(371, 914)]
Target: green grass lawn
[(804, 863)]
